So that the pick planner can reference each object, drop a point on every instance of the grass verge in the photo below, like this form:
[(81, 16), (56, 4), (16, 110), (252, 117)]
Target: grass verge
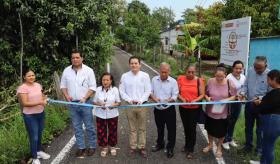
[(14, 144)]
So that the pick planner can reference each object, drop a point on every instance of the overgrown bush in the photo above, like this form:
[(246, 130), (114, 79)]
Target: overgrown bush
[(14, 144)]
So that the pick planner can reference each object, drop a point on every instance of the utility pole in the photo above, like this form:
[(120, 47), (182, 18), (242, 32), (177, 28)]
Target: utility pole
[(77, 42), (169, 32)]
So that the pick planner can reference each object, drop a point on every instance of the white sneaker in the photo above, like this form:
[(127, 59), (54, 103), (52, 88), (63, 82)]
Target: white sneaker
[(36, 161), (43, 155), (254, 162), (233, 144), (226, 146)]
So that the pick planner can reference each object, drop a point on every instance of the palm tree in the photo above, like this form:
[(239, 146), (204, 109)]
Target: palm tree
[(194, 45)]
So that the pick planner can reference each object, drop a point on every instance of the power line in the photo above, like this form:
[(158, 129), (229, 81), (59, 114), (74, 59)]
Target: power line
[(197, 2), (204, 3)]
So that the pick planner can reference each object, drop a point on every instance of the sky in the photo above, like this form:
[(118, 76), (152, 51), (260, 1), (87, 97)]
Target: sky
[(178, 6)]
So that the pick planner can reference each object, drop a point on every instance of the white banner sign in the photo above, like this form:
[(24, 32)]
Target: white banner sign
[(235, 39)]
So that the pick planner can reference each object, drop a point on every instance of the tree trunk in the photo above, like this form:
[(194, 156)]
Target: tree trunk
[(56, 80)]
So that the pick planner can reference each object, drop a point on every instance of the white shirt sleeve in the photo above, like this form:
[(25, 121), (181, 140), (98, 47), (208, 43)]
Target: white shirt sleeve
[(117, 95), (63, 81), (244, 87), (147, 89), (92, 80), (96, 96), (175, 91), (122, 90)]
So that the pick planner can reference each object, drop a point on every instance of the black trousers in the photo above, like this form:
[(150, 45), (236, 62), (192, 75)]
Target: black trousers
[(166, 117), (189, 119)]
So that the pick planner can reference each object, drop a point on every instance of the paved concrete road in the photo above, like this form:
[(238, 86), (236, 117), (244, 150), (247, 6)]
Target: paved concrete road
[(119, 66)]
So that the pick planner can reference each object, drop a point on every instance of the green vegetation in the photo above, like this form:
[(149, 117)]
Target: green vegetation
[(50, 31), (138, 27), (263, 13), (14, 144)]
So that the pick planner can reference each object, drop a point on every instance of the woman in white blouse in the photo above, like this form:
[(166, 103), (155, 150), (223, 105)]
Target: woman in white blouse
[(238, 80), (108, 97)]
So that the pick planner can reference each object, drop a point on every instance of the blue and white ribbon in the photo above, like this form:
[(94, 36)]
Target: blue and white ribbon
[(146, 104)]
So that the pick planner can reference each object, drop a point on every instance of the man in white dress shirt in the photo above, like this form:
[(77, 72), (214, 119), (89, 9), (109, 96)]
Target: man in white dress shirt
[(78, 84), (165, 89), (135, 88)]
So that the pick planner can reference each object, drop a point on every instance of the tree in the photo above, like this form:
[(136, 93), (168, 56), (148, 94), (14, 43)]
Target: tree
[(137, 7), (51, 30), (117, 13), (263, 13), (138, 27), (210, 27), (164, 16), (189, 15), (191, 43)]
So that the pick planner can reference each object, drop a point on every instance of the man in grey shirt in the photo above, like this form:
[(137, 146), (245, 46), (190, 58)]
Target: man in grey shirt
[(255, 87)]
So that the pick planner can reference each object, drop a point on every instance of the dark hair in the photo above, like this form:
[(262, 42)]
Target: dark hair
[(221, 67), (237, 62), (190, 65), (74, 51), (274, 75), (111, 78), (25, 70), (134, 57), (261, 58)]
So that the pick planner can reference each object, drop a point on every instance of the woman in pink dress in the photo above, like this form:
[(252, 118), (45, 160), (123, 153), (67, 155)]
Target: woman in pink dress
[(218, 89)]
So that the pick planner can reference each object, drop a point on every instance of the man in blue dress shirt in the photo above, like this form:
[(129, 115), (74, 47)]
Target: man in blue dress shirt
[(255, 87)]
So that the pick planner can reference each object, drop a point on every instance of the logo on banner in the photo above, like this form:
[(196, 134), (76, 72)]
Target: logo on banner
[(232, 40)]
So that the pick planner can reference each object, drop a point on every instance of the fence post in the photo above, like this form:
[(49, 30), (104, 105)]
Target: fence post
[(108, 69)]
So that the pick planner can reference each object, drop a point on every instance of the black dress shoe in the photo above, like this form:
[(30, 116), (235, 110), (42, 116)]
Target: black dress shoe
[(90, 151), (80, 153), (143, 153), (169, 153), (157, 148)]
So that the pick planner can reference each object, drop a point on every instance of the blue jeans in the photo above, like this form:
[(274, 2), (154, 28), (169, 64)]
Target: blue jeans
[(252, 116), (271, 131), (234, 114), (80, 115), (34, 124)]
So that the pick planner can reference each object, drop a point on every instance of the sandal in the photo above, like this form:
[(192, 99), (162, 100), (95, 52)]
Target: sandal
[(113, 151), (104, 152), (207, 149), (219, 154), (190, 156)]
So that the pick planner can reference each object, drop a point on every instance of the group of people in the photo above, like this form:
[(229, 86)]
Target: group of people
[(78, 84)]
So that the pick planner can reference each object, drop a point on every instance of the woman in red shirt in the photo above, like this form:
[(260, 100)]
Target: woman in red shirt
[(191, 89)]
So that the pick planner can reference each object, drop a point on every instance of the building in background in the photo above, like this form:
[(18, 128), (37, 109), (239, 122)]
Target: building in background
[(168, 37)]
